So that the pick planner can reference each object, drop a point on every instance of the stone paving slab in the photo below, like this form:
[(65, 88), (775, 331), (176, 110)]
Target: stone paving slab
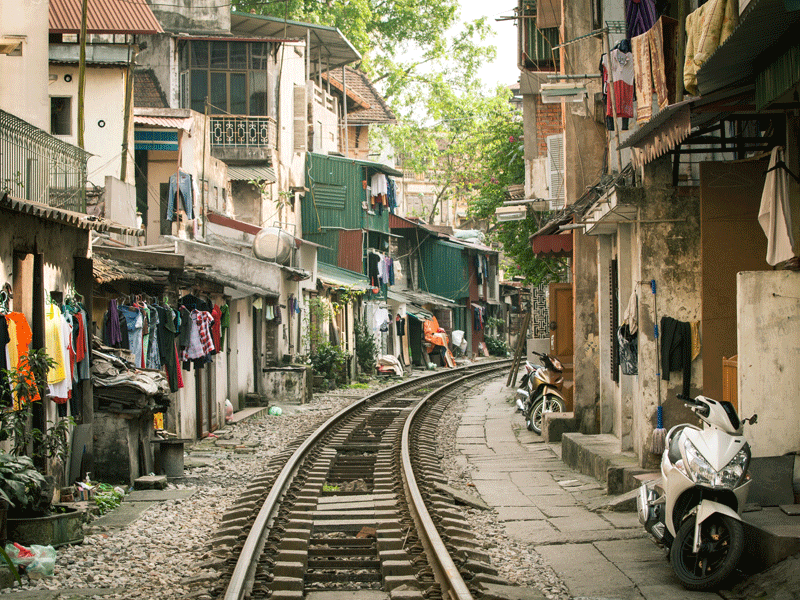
[(583, 523), (579, 566), (519, 513), (157, 495)]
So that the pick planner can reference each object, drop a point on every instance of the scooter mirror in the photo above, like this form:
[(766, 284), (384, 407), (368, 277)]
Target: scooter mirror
[(752, 420)]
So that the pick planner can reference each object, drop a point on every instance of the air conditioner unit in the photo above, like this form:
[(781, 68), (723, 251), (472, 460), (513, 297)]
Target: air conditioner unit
[(565, 91), (9, 45), (510, 213)]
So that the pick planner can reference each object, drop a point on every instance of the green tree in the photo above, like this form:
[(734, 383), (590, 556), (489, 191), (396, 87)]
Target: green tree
[(501, 163)]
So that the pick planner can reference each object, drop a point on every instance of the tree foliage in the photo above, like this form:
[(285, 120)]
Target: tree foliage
[(382, 31)]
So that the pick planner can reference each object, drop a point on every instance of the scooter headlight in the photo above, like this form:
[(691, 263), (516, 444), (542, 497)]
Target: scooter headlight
[(703, 473)]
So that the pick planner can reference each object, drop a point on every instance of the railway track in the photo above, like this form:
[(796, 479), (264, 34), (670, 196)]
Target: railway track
[(354, 506)]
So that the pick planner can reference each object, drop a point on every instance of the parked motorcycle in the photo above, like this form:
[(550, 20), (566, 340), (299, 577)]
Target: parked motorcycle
[(540, 391), (695, 508)]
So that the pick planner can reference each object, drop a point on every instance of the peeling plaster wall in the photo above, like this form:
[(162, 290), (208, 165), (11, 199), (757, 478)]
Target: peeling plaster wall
[(670, 254), (768, 317), (242, 379)]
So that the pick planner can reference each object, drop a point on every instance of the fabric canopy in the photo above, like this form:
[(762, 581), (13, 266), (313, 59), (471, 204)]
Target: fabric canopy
[(559, 244)]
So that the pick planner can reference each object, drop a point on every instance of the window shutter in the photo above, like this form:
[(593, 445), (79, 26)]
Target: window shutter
[(300, 118), (614, 289), (555, 170)]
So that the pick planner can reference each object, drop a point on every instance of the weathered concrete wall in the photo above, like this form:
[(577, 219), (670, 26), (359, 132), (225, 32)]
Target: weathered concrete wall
[(191, 17), (120, 201), (669, 238), (242, 378), (586, 395), (117, 445), (104, 120), (768, 317), (24, 92)]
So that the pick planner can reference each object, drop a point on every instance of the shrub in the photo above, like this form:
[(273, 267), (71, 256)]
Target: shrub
[(327, 359), (497, 347), (366, 348)]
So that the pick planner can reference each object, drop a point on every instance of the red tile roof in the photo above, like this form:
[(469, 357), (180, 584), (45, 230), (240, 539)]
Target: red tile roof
[(147, 93), (103, 16), (375, 111)]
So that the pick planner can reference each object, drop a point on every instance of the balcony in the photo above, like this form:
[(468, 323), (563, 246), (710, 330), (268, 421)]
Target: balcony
[(242, 138)]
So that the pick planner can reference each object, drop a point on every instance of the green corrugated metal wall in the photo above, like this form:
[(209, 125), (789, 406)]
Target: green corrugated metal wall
[(444, 269), (330, 239), (336, 196), (778, 77)]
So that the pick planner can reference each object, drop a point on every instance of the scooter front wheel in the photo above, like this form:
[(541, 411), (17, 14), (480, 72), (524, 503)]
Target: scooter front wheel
[(721, 546), (534, 417)]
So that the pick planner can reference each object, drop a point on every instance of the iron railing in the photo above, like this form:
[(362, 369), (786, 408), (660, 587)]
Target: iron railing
[(243, 131), (36, 166)]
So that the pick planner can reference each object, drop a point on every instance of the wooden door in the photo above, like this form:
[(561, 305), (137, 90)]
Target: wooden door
[(732, 241), (561, 332)]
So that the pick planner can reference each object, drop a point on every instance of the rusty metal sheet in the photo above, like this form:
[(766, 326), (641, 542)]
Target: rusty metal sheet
[(103, 16)]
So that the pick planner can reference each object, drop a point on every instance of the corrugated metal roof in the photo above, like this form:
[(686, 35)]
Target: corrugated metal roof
[(327, 43), (341, 277), (103, 16), (67, 217), (165, 122), (251, 173), (741, 55)]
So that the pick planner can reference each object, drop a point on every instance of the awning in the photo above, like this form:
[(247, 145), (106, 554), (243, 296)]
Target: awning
[(420, 297), (337, 277), (668, 128), (418, 312), (687, 123), (328, 45), (235, 288), (251, 173), (559, 244), (163, 122)]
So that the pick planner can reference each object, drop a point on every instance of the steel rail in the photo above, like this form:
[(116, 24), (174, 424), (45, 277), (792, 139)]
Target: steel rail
[(445, 570), (242, 577)]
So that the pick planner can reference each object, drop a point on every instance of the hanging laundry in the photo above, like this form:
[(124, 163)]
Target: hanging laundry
[(706, 29), (135, 325), (622, 72), (640, 16), (628, 350), (225, 322), (379, 190), (676, 350), (391, 195), (186, 189), (20, 334), (61, 391), (216, 327), (54, 344), (774, 214), (650, 74)]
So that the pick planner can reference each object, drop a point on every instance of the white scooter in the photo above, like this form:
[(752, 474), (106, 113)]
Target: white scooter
[(695, 508)]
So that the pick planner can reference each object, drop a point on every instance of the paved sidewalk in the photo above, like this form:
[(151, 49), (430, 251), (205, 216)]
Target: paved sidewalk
[(542, 502)]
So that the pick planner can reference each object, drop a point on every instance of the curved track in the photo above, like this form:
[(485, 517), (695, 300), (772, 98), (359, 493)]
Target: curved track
[(355, 506)]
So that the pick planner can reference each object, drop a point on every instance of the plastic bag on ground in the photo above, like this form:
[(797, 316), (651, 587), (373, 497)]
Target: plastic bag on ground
[(39, 561)]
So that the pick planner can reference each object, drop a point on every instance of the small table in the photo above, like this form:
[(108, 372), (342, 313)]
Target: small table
[(169, 459)]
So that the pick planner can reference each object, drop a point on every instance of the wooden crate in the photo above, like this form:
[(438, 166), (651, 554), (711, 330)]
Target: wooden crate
[(730, 383)]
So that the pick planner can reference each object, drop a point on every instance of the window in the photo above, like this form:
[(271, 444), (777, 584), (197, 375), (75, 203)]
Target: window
[(233, 75), (61, 115)]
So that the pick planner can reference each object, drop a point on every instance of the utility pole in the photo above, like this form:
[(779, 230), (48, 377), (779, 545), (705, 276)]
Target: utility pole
[(82, 75), (123, 171)]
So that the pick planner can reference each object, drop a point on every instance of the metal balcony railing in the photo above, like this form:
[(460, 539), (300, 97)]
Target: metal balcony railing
[(34, 165), (243, 131)]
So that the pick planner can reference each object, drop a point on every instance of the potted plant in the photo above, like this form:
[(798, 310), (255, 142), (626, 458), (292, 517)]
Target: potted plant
[(24, 489), (327, 360)]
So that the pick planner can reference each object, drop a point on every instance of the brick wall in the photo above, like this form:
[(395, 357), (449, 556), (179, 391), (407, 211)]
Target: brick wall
[(548, 122)]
